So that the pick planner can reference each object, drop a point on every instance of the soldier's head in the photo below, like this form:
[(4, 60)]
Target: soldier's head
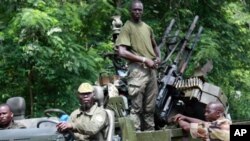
[(86, 96), (136, 10), (214, 110), (6, 116)]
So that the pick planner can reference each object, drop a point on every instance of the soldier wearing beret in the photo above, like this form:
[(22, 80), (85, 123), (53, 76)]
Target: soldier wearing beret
[(89, 122)]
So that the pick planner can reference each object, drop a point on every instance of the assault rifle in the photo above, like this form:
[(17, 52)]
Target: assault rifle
[(168, 94)]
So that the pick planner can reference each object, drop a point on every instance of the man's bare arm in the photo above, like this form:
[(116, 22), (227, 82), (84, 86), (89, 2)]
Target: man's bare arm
[(184, 125), (186, 118), (124, 53)]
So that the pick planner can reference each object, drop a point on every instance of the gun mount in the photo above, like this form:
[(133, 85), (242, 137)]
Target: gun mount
[(177, 94)]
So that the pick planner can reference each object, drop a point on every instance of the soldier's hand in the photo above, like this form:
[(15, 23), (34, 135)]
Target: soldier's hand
[(178, 117), (63, 126), (149, 63), (157, 62)]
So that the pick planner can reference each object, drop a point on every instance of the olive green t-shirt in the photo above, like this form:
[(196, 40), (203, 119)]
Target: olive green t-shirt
[(137, 38)]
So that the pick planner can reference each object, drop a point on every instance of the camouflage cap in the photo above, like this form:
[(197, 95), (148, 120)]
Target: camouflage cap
[(85, 88)]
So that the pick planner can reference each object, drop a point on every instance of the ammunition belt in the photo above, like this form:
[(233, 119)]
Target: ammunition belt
[(193, 82)]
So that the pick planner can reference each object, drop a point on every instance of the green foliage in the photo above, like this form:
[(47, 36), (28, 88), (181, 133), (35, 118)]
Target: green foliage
[(45, 55), (48, 47)]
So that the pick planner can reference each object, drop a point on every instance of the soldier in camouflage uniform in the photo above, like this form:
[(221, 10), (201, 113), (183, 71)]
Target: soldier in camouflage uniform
[(89, 122), (136, 43), (6, 118), (216, 127)]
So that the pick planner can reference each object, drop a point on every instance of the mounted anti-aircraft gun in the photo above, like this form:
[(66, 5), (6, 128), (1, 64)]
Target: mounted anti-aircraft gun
[(179, 95), (168, 94)]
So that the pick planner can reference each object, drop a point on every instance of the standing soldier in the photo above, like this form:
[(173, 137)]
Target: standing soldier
[(136, 44)]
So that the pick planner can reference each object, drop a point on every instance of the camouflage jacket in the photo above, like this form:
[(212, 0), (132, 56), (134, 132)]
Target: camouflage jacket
[(13, 125), (211, 131)]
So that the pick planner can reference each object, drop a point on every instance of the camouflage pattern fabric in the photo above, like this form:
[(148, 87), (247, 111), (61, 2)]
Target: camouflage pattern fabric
[(90, 125), (14, 125), (142, 87), (211, 131)]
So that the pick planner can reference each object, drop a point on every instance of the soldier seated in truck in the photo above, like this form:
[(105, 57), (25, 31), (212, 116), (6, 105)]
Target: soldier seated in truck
[(6, 118), (89, 122), (216, 126)]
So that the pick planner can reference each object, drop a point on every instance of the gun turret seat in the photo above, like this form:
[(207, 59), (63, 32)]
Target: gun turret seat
[(99, 97), (17, 106)]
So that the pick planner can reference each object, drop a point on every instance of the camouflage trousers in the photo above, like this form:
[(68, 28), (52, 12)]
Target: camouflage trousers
[(142, 87)]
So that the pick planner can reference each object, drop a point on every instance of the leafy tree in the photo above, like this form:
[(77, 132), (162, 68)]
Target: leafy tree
[(48, 47), (46, 53)]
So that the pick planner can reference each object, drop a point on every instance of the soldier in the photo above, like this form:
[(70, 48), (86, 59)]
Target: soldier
[(136, 44), (6, 118), (89, 122), (216, 127)]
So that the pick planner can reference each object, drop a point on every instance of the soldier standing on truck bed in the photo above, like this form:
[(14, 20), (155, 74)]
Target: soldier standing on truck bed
[(136, 44)]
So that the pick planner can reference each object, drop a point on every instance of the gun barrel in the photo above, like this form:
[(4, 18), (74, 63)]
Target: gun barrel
[(192, 27), (173, 49), (197, 38), (186, 39), (166, 33)]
